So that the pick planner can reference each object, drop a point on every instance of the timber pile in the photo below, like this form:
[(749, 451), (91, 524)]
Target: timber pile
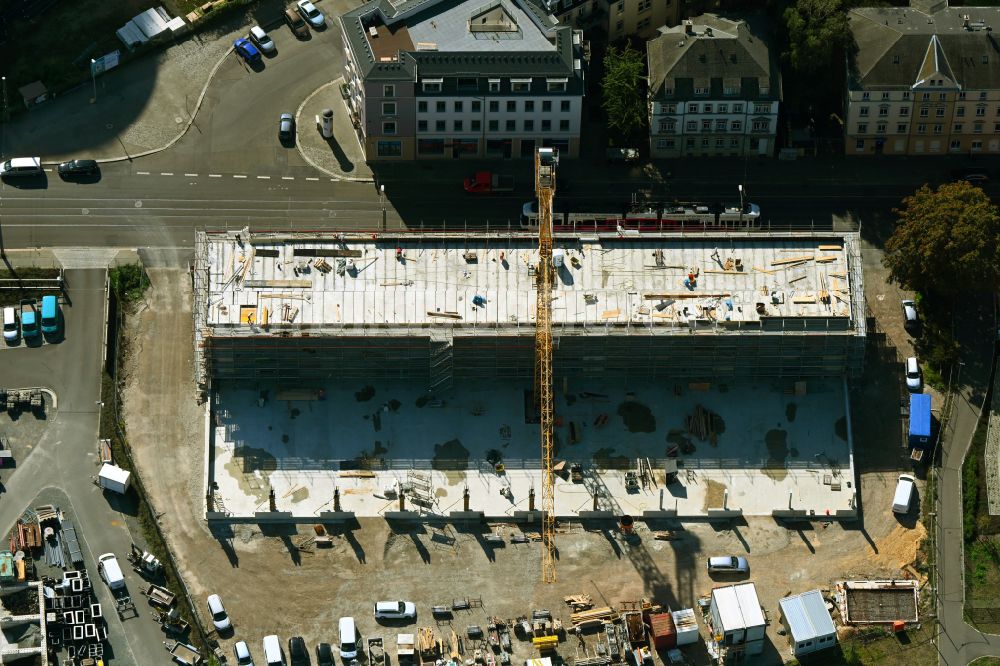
[(704, 424), (427, 643), (579, 602), (594, 616)]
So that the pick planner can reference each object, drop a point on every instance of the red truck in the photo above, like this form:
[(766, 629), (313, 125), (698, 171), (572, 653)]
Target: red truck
[(484, 182)]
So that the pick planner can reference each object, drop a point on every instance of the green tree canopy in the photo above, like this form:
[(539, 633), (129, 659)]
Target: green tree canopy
[(946, 241), (817, 31), (624, 99)]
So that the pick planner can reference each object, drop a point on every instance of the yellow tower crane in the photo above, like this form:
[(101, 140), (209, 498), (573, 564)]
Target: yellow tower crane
[(546, 160)]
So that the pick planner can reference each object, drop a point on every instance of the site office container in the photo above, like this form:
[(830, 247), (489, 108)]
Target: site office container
[(663, 631)]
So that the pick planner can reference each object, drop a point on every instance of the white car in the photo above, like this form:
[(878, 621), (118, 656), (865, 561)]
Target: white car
[(395, 610), (242, 653), (914, 381), (309, 12), (11, 328), (219, 616), (262, 39)]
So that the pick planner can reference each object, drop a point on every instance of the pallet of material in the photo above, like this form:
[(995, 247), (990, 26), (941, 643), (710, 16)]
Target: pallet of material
[(579, 602), (594, 616), (703, 424)]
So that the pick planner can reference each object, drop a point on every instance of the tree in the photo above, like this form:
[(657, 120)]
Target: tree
[(624, 97), (946, 241), (817, 33)]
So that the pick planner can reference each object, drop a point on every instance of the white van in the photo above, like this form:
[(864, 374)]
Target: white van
[(11, 328), (904, 494), (21, 166), (107, 564), (348, 638), (273, 655)]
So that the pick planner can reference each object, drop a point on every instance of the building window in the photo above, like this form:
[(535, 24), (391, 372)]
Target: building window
[(529, 106), (723, 108), (880, 128), (440, 107), (388, 90), (459, 106), (760, 125), (986, 60), (422, 107), (556, 85), (904, 110), (906, 94), (511, 106), (689, 143), (981, 110), (938, 128), (621, 7), (546, 125), (389, 127), (865, 96), (885, 96), (859, 144), (921, 129), (708, 108), (720, 125), (737, 108), (692, 126), (720, 143), (529, 125), (737, 126), (643, 24), (520, 85), (546, 106), (977, 128), (619, 26), (510, 126), (883, 110), (661, 143), (956, 144), (421, 125), (734, 143), (982, 96), (390, 148), (477, 126), (672, 108), (439, 125), (977, 145), (895, 59), (432, 85), (477, 106), (900, 129), (729, 91), (494, 106), (704, 143), (863, 111), (959, 111), (563, 125), (862, 128), (494, 85), (388, 108), (939, 113), (701, 91), (961, 96), (430, 146), (942, 97), (924, 111), (494, 125), (996, 128), (663, 126), (668, 91), (645, 4), (467, 84), (706, 126), (564, 106), (958, 128), (692, 107), (458, 125), (924, 97)]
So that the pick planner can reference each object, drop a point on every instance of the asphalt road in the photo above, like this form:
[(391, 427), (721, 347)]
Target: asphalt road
[(65, 457)]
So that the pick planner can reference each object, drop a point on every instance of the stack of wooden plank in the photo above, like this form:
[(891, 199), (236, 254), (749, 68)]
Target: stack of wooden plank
[(427, 643), (594, 616), (579, 602), (703, 424)]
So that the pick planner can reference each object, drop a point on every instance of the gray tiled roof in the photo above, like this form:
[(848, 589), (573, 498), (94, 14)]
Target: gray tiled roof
[(720, 48), (538, 47), (896, 47)]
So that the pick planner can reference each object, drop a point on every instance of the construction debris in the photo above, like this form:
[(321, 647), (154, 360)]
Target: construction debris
[(704, 424), (579, 602)]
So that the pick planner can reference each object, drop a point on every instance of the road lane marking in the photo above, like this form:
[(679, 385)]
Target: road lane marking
[(142, 173), (310, 178), (191, 175), (288, 178), (237, 175), (215, 175), (166, 173), (263, 177)]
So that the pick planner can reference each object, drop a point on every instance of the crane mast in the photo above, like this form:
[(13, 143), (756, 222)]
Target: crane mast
[(546, 160)]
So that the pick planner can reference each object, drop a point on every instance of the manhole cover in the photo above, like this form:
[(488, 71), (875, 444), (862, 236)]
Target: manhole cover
[(138, 204), (108, 126), (85, 211), (178, 120)]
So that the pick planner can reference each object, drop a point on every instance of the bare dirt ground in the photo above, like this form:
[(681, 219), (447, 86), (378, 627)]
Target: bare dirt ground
[(271, 586)]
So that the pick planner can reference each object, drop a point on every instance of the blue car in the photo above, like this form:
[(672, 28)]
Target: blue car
[(246, 50)]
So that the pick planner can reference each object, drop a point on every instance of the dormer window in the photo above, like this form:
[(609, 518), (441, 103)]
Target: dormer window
[(494, 85), (520, 85), (557, 85), (432, 85), (896, 59)]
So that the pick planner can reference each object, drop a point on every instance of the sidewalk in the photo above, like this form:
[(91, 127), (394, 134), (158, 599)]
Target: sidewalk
[(340, 156)]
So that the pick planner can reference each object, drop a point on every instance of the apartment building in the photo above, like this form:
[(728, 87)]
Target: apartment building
[(714, 89), (621, 19), (433, 79), (925, 80)]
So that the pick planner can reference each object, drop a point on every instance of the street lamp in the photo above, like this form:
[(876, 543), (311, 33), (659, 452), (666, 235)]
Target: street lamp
[(93, 78), (381, 200)]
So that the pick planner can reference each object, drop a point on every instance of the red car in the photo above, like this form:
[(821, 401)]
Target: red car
[(484, 182)]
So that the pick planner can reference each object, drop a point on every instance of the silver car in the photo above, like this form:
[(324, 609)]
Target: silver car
[(730, 564), (262, 40)]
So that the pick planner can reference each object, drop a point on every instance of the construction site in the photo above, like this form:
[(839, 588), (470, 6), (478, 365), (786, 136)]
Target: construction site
[(669, 375)]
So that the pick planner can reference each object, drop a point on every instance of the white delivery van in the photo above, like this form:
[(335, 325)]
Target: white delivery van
[(348, 638), (272, 651), (904, 494), (107, 564)]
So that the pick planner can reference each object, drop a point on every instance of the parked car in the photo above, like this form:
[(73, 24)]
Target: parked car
[(78, 168), (242, 653), (324, 655), (395, 610), (730, 564), (971, 175), (911, 321), (309, 12), (286, 127), (262, 39), (914, 381), (299, 27), (903, 496), (11, 325), (21, 166), (297, 652), (107, 566), (247, 50), (219, 616), (348, 638), (273, 655)]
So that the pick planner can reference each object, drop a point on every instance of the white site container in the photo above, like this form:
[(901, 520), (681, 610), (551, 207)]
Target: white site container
[(114, 478), (686, 626)]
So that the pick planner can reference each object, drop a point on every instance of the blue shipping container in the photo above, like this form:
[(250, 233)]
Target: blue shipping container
[(920, 420)]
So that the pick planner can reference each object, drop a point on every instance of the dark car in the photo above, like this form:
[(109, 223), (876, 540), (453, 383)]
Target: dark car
[(246, 50), (297, 652), (286, 127), (78, 168), (324, 655), (298, 24), (971, 175)]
